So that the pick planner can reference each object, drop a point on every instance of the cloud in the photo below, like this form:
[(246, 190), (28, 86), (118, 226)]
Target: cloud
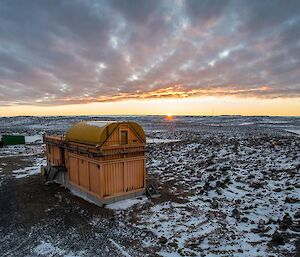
[(61, 52)]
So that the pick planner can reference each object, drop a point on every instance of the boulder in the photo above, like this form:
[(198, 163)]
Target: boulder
[(291, 200), (162, 240), (278, 238), (244, 219), (214, 204), (287, 219), (297, 215), (219, 190)]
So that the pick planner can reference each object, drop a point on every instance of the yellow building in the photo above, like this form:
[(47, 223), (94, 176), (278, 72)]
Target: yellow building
[(99, 161)]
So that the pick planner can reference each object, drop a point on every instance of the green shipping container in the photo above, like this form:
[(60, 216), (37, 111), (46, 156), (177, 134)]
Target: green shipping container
[(13, 139)]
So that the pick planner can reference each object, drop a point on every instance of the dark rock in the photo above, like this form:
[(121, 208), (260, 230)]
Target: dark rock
[(296, 227), (297, 215), (238, 201), (209, 162), (251, 176), (278, 238), (271, 221), (257, 230), (256, 185), (227, 180), (193, 243), (201, 191), (163, 240), (220, 184), (173, 244), (214, 204), (268, 228), (291, 200), (225, 168), (283, 226), (181, 252), (211, 169), (211, 178), (219, 191), (244, 219), (261, 224), (238, 179), (289, 188), (206, 186), (287, 219), (236, 214)]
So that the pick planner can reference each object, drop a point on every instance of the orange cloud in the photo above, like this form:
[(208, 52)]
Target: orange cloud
[(176, 91)]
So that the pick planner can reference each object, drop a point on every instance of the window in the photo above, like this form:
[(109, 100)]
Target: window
[(124, 137)]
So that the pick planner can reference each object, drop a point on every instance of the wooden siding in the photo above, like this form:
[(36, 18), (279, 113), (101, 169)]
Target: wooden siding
[(54, 155), (106, 179), (95, 179), (73, 170)]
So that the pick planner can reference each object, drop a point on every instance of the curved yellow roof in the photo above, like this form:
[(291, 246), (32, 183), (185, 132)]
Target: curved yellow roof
[(97, 132)]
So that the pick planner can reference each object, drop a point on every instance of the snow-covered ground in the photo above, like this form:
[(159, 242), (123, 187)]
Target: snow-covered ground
[(234, 194), (229, 186), (295, 131), (32, 170)]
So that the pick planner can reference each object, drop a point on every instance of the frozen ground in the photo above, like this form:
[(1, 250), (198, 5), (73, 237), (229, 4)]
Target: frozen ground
[(229, 186)]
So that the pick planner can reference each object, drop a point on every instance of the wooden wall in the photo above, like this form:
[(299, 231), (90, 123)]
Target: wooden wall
[(106, 179), (54, 155)]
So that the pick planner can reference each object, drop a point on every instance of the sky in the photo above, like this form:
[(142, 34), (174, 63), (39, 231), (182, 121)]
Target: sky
[(149, 57)]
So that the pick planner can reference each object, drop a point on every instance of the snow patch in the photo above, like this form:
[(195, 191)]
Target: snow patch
[(125, 204), (99, 123), (160, 140), (45, 248), (34, 139), (48, 249)]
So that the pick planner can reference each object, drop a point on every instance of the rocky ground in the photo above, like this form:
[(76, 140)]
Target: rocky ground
[(229, 186)]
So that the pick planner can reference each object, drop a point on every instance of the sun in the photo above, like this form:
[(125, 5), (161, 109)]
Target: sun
[(169, 117)]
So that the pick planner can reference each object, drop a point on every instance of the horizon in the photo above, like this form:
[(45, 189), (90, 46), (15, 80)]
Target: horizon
[(185, 58), (145, 115)]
